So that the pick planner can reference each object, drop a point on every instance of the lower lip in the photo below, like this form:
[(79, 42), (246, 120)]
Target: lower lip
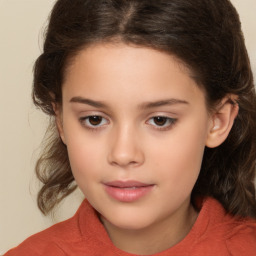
[(128, 194)]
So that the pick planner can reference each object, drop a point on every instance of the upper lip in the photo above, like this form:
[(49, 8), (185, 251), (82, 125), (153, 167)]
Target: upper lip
[(126, 184)]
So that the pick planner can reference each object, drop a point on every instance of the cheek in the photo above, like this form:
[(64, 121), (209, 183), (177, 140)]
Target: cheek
[(85, 156), (178, 160), (85, 166)]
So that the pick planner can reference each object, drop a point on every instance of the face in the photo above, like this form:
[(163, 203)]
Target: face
[(135, 125)]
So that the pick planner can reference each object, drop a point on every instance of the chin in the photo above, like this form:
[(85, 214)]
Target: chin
[(133, 221)]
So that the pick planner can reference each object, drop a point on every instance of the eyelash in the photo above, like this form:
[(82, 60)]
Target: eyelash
[(84, 121), (170, 122)]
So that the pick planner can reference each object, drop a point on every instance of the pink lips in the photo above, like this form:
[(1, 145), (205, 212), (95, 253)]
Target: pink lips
[(127, 191)]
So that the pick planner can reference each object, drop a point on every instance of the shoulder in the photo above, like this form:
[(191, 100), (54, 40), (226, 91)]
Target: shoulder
[(241, 239), (237, 236), (50, 241)]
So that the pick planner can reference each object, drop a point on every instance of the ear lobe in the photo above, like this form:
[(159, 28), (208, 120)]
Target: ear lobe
[(222, 122), (59, 123)]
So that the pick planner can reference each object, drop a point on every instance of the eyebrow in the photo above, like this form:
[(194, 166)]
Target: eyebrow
[(146, 105), (93, 103), (163, 103)]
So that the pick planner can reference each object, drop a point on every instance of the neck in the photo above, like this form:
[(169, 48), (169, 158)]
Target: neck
[(158, 237)]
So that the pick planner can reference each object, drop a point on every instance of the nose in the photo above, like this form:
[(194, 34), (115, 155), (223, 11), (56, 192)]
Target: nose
[(125, 148)]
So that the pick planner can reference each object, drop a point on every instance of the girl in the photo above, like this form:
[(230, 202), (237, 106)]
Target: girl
[(153, 118)]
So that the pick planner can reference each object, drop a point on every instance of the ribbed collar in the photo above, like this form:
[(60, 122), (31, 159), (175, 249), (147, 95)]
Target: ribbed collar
[(94, 233)]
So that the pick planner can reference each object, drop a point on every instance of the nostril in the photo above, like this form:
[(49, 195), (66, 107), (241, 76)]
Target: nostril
[(123, 160), (124, 149)]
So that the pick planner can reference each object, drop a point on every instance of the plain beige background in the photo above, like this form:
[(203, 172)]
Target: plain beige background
[(22, 126)]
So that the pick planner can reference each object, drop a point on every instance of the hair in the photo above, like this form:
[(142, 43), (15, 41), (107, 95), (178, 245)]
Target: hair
[(205, 35)]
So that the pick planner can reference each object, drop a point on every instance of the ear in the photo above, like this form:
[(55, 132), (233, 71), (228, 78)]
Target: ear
[(58, 121), (222, 121)]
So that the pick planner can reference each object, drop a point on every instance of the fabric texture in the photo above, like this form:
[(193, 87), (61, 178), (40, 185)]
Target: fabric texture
[(214, 233)]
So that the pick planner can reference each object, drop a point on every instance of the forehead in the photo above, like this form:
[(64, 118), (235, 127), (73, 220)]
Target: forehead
[(101, 53), (114, 70)]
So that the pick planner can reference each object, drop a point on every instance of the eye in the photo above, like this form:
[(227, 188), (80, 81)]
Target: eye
[(93, 121), (162, 121)]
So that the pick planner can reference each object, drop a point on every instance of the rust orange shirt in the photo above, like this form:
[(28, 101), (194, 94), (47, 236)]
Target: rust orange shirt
[(215, 233)]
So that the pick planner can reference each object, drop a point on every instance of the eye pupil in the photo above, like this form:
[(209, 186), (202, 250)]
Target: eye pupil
[(160, 121), (95, 120)]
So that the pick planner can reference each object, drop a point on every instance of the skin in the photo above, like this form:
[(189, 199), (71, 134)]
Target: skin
[(128, 143)]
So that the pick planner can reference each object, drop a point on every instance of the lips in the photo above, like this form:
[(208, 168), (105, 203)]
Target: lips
[(127, 191)]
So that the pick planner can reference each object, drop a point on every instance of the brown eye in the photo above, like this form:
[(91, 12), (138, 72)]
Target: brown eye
[(160, 120), (95, 120)]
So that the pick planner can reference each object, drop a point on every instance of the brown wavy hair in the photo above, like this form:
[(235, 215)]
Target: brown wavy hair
[(204, 34)]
